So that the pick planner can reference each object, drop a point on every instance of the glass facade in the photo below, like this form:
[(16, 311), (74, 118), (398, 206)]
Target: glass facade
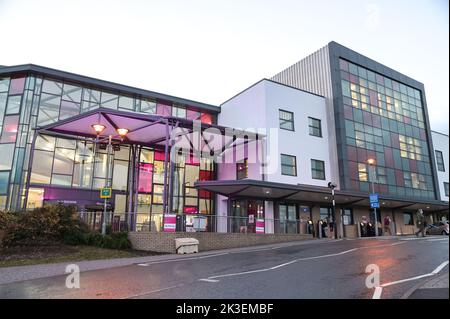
[(28, 101), (384, 120)]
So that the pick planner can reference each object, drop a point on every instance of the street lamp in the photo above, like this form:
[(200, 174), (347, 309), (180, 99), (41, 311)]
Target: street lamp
[(98, 129), (371, 163), (333, 186)]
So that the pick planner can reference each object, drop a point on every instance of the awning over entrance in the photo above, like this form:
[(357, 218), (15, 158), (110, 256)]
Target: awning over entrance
[(152, 130), (248, 188)]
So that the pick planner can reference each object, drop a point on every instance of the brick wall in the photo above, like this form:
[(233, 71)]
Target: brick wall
[(165, 242)]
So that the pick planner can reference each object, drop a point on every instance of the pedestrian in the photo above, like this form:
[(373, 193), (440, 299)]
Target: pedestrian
[(387, 225), (421, 223)]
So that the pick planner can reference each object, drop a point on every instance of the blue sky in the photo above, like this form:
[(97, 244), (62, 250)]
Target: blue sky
[(209, 50)]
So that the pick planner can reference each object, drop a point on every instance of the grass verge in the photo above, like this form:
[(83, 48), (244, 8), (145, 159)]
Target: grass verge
[(33, 255)]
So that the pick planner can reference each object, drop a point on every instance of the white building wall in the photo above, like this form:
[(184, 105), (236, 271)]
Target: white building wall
[(441, 143), (298, 142), (258, 108)]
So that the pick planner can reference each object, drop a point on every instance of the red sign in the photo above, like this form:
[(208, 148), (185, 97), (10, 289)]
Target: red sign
[(170, 222), (260, 226)]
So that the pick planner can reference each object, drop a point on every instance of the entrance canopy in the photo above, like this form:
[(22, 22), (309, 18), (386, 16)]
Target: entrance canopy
[(152, 130), (248, 188)]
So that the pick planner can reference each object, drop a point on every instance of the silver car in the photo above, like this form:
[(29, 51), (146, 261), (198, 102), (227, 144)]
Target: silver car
[(440, 228)]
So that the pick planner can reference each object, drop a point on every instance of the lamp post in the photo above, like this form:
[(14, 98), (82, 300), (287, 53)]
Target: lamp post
[(122, 132), (371, 163), (333, 214)]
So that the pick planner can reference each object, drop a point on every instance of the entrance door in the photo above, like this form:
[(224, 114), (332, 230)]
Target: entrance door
[(287, 219)]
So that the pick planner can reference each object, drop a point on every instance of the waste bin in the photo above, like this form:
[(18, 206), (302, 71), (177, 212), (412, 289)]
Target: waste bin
[(186, 245)]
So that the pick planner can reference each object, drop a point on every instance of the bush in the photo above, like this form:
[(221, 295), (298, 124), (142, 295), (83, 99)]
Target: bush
[(8, 225), (113, 241), (55, 223)]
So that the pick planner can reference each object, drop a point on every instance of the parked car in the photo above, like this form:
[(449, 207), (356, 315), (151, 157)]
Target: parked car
[(440, 228)]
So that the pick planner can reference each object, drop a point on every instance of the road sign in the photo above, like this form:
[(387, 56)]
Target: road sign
[(374, 202), (373, 198), (375, 205), (105, 192)]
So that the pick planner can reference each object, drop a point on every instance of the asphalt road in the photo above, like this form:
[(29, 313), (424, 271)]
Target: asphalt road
[(334, 269)]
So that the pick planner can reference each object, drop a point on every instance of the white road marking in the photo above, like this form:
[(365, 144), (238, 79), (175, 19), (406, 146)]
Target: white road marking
[(181, 259), (208, 280), (437, 239), (152, 291), (377, 293), (440, 267), (405, 280), (281, 265)]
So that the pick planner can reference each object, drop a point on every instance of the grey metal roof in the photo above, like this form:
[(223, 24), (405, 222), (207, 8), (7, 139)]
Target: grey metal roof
[(81, 79)]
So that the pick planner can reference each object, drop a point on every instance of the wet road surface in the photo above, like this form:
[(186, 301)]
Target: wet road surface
[(334, 269)]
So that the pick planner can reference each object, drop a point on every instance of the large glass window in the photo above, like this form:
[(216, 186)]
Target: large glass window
[(6, 156), (109, 100), (440, 161), (10, 127), (48, 109), (42, 167), (315, 127), (288, 165), (242, 169), (4, 180), (148, 106), (13, 106), (179, 111), (317, 169), (286, 120), (408, 219)]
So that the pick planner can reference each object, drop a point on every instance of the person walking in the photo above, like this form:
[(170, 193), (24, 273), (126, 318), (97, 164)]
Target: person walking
[(421, 223), (387, 225)]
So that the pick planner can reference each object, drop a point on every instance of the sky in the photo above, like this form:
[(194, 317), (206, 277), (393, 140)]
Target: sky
[(208, 51)]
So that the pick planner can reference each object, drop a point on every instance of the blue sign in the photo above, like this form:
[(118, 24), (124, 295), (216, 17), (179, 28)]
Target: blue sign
[(373, 198), (375, 205)]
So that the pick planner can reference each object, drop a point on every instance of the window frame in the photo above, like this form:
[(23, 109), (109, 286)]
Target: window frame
[(314, 127), (411, 220), (440, 161), (446, 189), (294, 166), (245, 171), (286, 121), (316, 170)]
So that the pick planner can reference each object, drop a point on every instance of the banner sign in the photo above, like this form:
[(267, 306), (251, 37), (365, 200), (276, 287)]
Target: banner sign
[(170, 222), (260, 226)]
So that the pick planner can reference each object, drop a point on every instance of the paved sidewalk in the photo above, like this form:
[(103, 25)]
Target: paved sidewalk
[(22, 273), (436, 288)]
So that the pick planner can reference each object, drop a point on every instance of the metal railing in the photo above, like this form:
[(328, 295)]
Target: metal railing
[(196, 223)]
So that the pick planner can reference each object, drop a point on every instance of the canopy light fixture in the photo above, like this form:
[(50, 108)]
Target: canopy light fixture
[(98, 128)]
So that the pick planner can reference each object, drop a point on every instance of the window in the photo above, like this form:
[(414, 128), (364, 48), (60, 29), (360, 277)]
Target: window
[(286, 120), (4, 178), (315, 128), (178, 111), (446, 189), (242, 169), (6, 156), (10, 126), (288, 165), (148, 106), (408, 219), (325, 212), (347, 216), (362, 172), (318, 169), (440, 161)]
